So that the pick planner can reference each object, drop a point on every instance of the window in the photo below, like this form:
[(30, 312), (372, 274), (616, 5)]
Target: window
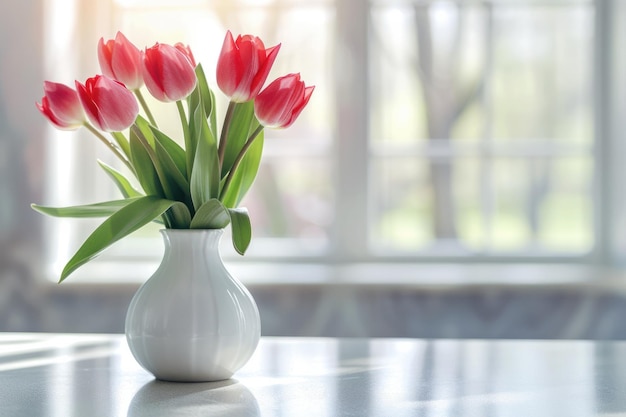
[(439, 130), (482, 127)]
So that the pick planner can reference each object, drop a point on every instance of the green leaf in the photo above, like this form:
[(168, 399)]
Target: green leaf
[(241, 229), (173, 149), (103, 209), (207, 98), (120, 224), (166, 168), (205, 180), (144, 167), (238, 132), (245, 173), (211, 215), (195, 123), (125, 187), (145, 128), (179, 217), (168, 175), (193, 99), (213, 115)]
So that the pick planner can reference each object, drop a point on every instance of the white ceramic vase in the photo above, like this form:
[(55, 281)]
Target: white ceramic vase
[(191, 320)]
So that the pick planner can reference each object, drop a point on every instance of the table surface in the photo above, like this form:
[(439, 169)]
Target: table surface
[(95, 375)]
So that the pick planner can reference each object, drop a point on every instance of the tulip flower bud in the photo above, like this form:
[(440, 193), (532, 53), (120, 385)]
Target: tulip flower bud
[(168, 73), (121, 60), (282, 101), (243, 66), (108, 104), (61, 106)]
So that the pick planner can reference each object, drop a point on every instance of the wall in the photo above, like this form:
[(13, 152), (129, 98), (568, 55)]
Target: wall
[(22, 147)]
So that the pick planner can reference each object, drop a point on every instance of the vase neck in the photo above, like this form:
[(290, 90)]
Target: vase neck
[(201, 241)]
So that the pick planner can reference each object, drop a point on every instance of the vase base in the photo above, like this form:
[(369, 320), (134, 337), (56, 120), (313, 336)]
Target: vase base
[(191, 380)]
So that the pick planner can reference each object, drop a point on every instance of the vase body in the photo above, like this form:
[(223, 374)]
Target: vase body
[(191, 320)]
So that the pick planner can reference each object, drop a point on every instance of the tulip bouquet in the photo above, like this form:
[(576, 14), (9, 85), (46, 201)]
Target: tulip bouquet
[(196, 185)]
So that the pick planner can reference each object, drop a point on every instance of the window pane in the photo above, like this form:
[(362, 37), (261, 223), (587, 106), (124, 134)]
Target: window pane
[(402, 204), (542, 73), (566, 213), (292, 198), (481, 125)]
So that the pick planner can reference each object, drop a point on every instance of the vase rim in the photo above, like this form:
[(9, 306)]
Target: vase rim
[(185, 231)]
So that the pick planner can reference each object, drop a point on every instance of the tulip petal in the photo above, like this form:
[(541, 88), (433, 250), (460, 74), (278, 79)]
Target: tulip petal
[(227, 66), (126, 63), (105, 53), (108, 104), (308, 91), (90, 107), (261, 76)]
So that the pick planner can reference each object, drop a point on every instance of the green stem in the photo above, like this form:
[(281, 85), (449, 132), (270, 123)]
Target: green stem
[(122, 142), (224, 136), (239, 158), (186, 135), (145, 107), (111, 146)]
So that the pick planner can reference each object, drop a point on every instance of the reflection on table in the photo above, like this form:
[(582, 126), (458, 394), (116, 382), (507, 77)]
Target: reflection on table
[(95, 375)]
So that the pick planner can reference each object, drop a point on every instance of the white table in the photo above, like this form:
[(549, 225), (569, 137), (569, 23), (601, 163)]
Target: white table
[(95, 375)]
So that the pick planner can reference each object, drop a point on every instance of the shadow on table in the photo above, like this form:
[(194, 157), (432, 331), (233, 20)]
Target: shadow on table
[(223, 398)]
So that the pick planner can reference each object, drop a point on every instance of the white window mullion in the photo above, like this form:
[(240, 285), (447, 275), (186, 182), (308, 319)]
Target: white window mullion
[(486, 153), (350, 239), (602, 154), (610, 127)]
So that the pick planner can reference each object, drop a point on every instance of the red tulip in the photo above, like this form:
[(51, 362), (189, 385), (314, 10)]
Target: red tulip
[(61, 106), (168, 73), (243, 66), (121, 60), (281, 102), (185, 49), (109, 105)]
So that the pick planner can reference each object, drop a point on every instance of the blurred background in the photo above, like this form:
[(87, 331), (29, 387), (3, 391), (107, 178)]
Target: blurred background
[(457, 173)]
